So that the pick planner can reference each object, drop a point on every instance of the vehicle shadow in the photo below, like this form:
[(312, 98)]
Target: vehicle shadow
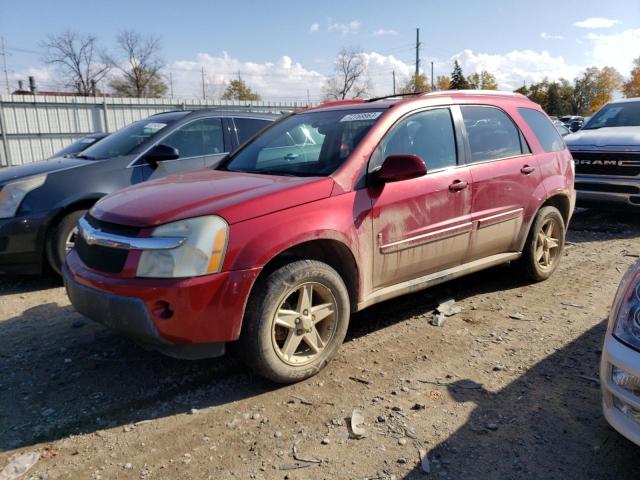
[(11, 284), (589, 225), (545, 424)]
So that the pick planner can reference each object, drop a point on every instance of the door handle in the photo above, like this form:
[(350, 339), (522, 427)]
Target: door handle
[(527, 169), (458, 185)]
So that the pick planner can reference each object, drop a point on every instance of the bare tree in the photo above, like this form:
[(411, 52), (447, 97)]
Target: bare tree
[(78, 58), (139, 65), (350, 80)]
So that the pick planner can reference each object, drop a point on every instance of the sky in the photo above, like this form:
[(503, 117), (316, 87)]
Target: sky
[(285, 50)]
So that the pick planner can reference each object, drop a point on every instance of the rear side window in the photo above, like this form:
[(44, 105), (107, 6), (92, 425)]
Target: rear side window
[(547, 134), (492, 134), (247, 127)]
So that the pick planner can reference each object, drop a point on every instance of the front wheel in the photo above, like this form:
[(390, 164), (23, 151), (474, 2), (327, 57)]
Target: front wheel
[(545, 244), (296, 320), (62, 239)]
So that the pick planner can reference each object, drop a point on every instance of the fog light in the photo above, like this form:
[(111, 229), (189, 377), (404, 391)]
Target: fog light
[(162, 310), (629, 382), (627, 409)]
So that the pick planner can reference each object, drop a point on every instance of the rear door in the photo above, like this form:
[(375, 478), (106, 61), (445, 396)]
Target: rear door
[(504, 176), (200, 143), (422, 225)]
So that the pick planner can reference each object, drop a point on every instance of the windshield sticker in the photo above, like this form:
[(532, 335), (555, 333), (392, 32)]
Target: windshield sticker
[(354, 117), (87, 140), (154, 127)]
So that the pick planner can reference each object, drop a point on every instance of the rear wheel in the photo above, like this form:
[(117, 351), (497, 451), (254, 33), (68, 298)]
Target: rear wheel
[(545, 244), (295, 322), (62, 239)]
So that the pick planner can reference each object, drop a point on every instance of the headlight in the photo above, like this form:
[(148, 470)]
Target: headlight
[(201, 253), (626, 308), (13, 193)]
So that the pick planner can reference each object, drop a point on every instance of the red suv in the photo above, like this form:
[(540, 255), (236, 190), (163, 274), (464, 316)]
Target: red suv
[(326, 212)]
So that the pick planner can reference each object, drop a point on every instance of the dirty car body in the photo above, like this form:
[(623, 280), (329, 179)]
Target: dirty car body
[(383, 197)]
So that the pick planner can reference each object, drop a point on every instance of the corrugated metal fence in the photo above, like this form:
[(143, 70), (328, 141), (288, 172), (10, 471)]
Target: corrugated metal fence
[(32, 128)]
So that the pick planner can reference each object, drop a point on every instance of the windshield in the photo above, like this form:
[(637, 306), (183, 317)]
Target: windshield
[(77, 146), (126, 139), (616, 115), (308, 144)]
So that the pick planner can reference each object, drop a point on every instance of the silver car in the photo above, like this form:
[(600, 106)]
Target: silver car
[(620, 364)]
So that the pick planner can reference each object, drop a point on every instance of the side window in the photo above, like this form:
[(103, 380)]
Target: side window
[(547, 134), (247, 127), (429, 134), (198, 138), (492, 134)]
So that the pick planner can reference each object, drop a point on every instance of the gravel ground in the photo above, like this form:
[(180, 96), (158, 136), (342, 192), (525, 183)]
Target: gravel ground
[(505, 389)]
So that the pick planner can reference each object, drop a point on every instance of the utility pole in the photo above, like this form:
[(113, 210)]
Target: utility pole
[(394, 82), (433, 87), (4, 64), (171, 84), (308, 98), (204, 96), (417, 60)]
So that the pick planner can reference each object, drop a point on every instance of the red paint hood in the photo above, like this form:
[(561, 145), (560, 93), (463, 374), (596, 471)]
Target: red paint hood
[(234, 196)]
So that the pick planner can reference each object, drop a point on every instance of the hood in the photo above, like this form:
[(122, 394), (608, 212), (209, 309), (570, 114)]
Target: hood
[(606, 137), (234, 196), (46, 166)]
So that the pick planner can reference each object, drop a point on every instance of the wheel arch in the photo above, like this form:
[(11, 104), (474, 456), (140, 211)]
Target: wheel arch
[(333, 252)]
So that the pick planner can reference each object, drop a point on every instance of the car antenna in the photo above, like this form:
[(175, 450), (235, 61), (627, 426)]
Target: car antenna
[(393, 96)]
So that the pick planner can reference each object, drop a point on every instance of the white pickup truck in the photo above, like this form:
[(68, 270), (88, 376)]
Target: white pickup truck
[(606, 152)]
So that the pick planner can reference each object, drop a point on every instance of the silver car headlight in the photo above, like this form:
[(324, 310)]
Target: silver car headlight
[(625, 313), (13, 193), (201, 253)]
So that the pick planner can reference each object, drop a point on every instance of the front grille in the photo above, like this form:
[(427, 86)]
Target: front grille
[(603, 187), (104, 259), (625, 164)]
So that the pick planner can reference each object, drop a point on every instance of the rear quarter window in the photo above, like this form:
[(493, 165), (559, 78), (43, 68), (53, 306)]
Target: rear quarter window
[(542, 127), (247, 127)]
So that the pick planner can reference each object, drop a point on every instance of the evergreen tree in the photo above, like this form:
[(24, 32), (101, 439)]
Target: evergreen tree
[(458, 80)]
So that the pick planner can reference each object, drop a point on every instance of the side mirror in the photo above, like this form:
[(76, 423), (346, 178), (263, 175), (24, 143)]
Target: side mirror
[(161, 153), (576, 125), (397, 167)]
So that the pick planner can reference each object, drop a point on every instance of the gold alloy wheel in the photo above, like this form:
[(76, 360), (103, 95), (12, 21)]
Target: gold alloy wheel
[(548, 243), (304, 323)]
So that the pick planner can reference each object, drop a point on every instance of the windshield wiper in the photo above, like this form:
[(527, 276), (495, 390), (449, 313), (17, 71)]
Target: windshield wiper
[(86, 157), (284, 173)]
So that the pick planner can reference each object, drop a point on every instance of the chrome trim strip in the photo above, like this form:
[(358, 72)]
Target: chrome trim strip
[(95, 236), (500, 217), (431, 236)]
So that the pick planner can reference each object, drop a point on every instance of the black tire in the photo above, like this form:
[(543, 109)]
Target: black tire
[(56, 243), (530, 265), (258, 341)]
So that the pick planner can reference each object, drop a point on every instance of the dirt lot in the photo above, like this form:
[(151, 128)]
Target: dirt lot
[(486, 395)]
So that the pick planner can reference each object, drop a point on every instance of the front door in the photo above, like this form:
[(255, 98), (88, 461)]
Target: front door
[(422, 225), (200, 144)]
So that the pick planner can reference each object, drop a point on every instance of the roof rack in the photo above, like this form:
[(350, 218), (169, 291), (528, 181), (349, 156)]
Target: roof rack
[(496, 93), (395, 95)]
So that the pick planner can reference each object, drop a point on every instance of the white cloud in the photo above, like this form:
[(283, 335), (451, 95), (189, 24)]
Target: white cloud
[(345, 28), (548, 36), (515, 67), (596, 22), (382, 32), (283, 79), (315, 27), (617, 50)]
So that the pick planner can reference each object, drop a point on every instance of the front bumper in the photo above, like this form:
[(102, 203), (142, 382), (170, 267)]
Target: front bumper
[(611, 192), (617, 354), (186, 318), (22, 243)]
